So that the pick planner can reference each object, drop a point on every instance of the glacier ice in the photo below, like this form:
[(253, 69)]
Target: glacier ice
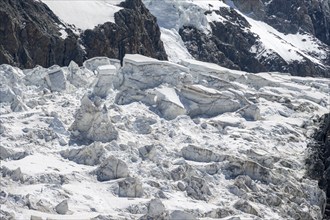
[(188, 140)]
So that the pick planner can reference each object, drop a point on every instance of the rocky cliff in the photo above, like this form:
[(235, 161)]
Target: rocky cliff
[(292, 16), (30, 34), (318, 162), (232, 38)]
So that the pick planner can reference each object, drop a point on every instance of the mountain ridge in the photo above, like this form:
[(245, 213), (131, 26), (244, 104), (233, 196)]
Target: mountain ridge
[(223, 32)]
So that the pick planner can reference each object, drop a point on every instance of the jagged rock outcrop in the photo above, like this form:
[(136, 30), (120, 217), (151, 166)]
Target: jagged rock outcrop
[(230, 46), (318, 159), (296, 15), (233, 44), (30, 34), (135, 31)]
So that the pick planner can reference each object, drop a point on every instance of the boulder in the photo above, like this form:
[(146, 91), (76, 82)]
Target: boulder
[(111, 168), (56, 80), (246, 207), (197, 188), (142, 125), (250, 168), (6, 153), (33, 217), (62, 208), (130, 187), (156, 210), (58, 127), (90, 155), (147, 152), (181, 215), (6, 94), (18, 105)]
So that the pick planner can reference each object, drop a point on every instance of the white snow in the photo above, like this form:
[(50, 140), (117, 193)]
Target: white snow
[(171, 95), (174, 45), (84, 14), (64, 34), (106, 69), (40, 164), (288, 47)]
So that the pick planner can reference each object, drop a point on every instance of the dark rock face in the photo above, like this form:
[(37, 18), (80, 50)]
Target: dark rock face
[(135, 31), (30, 35), (318, 161), (230, 44), (290, 16)]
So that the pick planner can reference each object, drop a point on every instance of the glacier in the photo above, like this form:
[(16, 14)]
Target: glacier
[(157, 140)]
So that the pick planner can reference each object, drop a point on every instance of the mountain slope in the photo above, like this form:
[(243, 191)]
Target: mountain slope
[(247, 35), (234, 35)]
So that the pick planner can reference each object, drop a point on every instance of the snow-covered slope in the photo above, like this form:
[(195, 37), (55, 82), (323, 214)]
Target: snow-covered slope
[(270, 44), (158, 140), (84, 14)]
